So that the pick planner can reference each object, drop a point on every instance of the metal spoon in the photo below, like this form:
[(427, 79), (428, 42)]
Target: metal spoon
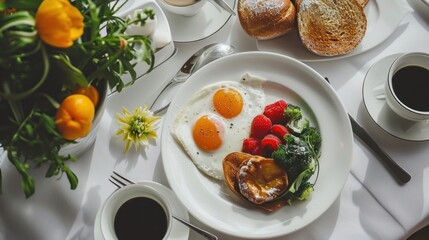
[(203, 232), (221, 4), (204, 56)]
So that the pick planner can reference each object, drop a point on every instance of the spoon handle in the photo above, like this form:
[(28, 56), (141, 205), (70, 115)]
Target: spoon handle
[(169, 84), (161, 109), (204, 233)]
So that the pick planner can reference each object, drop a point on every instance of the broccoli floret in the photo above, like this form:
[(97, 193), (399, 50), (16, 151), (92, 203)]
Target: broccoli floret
[(296, 123), (293, 112), (295, 156)]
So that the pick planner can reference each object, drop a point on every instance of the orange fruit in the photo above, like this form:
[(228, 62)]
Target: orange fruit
[(74, 116), (91, 92)]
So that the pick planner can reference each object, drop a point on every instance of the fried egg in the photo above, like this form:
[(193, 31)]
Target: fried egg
[(216, 119)]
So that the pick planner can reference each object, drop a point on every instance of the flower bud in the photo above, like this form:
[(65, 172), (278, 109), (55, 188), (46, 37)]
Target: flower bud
[(59, 23)]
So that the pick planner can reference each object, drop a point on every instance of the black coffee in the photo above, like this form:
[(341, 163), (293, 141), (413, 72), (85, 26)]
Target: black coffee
[(411, 86), (140, 218)]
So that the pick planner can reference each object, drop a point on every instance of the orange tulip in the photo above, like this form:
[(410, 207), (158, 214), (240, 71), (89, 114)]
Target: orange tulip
[(74, 116), (59, 23)]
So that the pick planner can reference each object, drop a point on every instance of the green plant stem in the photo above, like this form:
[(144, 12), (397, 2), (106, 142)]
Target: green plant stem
[(108, 63), (18, 96), (95, 21)]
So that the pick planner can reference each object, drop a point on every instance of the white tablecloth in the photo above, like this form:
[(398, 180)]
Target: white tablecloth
[(371, 206)]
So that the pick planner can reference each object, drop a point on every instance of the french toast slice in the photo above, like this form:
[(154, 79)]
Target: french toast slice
[(233, 165)]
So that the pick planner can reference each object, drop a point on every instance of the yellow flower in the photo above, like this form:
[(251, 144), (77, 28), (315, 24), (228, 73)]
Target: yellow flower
[(59, 23), (137, 128)]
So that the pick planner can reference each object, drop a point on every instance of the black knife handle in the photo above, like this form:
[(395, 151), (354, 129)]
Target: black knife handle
[(420, 234), (394, 168)]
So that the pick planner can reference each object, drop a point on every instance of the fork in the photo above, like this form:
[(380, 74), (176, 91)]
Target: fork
[(120, 181)]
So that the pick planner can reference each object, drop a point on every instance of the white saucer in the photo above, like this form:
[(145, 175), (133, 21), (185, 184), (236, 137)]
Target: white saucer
[(178, 232), (202, 25), (375, 104)]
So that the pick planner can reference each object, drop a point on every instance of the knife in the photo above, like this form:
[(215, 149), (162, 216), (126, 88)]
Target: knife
[(401, 175), (394, 168), (420, 234)]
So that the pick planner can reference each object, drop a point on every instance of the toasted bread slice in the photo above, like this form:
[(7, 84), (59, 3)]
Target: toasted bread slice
[(362, 2), (330, 28)]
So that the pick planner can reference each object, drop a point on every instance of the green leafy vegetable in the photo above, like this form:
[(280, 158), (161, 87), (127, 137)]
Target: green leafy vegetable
[(299, 156)]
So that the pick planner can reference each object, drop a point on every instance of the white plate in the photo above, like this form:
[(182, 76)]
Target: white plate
[(212, 202), (204, 24), (383, 17), (375, 104), (178, 232)]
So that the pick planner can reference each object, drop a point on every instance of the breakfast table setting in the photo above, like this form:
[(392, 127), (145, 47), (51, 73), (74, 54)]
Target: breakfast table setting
[(358, 194)]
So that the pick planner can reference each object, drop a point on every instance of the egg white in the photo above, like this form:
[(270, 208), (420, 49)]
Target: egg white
[(235, 129)]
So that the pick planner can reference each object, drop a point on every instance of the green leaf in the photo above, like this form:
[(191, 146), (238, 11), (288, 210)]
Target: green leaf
[(73, 180), (29, 129), (295, 185), (28, 185), (24, 4), (70, 75), (52, 170)]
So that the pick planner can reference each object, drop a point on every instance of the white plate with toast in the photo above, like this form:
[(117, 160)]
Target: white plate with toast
[(211, 201), (383, 17)]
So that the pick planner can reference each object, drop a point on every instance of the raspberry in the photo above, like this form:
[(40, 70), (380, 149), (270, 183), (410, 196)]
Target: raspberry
[(260, 127), (270, 143), (250, 144), (279, 131), (259, 151), (275, 112)]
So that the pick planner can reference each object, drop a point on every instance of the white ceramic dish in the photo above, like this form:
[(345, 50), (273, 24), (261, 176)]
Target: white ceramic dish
[(178, 232), (188, 10), (212, 202), (383, 17), (162, 27), (376, 105), (204, 24)]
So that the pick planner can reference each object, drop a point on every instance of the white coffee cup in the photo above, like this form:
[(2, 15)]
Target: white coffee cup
[(407, 94), (183, 7), (124, 196)]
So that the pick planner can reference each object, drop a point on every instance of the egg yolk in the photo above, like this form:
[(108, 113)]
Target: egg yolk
[(208, 133), (228, 102)]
